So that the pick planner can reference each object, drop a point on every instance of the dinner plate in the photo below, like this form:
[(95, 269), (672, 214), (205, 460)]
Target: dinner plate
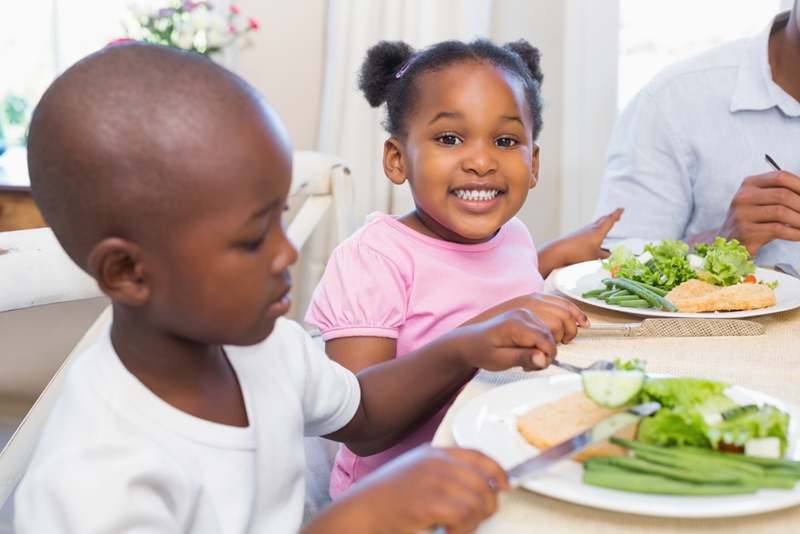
[(488, 423), (577, 279)]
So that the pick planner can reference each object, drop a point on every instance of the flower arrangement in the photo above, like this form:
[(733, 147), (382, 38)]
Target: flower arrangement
[(195, 26)]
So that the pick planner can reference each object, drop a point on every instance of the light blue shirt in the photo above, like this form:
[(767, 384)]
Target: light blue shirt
[(684, 144)]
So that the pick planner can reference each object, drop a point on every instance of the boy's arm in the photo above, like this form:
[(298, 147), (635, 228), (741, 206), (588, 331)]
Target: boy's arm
[(581, 245), (396, 393), (423, 489)]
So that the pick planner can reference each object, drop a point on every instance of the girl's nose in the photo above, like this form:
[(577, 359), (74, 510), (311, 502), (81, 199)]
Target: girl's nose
[(480, 160)]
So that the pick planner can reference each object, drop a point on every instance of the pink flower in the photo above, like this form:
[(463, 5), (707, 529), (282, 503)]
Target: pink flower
[(120, 41), (234, 10), (189, 5), (231, 28), (253, 24)]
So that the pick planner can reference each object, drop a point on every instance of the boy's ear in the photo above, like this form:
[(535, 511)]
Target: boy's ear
[(534, 166), (394, 164), (117, 266)]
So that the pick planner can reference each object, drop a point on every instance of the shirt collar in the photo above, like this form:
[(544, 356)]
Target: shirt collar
[(754, 88)]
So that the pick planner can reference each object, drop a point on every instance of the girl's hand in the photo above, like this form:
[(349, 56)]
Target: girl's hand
[(423, 489), (560, 316), (580, 245), (514, 338)]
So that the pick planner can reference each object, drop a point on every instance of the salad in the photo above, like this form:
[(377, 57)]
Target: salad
[(645, 281), (700, 442)]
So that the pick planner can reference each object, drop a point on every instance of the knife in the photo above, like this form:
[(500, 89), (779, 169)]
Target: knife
[(676, 328), (602, 430)]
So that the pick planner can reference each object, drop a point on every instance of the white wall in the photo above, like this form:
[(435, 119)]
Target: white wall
[(284, 60)]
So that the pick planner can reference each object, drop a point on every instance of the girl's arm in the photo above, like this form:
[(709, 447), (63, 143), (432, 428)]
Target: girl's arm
[(581, 245), (398, 392)]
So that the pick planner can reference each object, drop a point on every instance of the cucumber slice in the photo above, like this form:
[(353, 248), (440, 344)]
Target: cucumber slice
[(612, 389)]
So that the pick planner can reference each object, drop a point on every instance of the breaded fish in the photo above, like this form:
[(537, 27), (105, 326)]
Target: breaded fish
[(550, 424), (695, 296)]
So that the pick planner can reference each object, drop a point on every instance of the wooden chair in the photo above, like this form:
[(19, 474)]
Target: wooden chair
[(63, 312)]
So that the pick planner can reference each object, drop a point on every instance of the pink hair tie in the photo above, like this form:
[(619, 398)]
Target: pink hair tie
[(405, 67)]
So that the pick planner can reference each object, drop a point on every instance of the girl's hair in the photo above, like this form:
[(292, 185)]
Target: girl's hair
[(391, 68)]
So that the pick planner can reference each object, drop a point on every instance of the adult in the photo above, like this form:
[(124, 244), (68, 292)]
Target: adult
[(686, 158)]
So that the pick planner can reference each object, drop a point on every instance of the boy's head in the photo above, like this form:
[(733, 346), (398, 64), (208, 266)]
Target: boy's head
[(165, 176)]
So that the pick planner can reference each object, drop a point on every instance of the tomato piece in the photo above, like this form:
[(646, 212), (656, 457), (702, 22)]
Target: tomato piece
[(749, 279), (614, 271)]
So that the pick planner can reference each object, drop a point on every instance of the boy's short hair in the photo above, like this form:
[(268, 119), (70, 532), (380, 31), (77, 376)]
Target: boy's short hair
[(111, 135)]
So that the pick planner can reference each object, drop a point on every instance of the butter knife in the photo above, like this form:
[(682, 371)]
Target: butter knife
[(787, 269), (599, 432), (676, 328)]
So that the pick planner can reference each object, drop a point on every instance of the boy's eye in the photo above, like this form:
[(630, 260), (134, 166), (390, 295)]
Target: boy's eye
[(252, 246), (449, 140), (506, 142)]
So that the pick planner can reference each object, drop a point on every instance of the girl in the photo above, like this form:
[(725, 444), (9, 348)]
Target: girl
[(463, 120)]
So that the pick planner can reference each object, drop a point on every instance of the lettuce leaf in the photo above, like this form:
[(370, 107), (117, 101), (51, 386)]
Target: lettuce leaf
[(681, 425), (667, 249), (726, 262), (674, 392), (620, 256)]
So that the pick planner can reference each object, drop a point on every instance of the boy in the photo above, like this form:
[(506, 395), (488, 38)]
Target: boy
[(188, 413)]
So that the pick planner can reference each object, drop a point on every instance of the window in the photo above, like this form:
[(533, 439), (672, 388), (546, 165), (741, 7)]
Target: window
[(656, 33)]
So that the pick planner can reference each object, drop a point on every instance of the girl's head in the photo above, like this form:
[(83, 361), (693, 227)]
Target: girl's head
[(463, 119)]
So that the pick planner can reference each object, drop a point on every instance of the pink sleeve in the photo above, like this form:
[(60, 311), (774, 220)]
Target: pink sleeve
[(362, 293)]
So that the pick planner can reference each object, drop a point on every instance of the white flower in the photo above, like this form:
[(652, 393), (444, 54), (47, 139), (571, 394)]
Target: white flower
[(201, 19), (218, 24), (215, 39), (185, 38)]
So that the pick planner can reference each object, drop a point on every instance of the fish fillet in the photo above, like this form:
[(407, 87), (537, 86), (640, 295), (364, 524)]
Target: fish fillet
[(695, 296)]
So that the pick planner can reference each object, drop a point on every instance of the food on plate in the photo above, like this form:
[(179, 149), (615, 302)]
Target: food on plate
[(697, 296), (685, 447), (651, 280), (550, 424)]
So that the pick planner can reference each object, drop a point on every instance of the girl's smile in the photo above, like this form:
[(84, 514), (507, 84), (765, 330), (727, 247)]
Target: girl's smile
[(467, 152)]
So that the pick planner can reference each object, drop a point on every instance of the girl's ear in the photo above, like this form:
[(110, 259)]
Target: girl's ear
[(534, 166), (117, 266), (394, 161)]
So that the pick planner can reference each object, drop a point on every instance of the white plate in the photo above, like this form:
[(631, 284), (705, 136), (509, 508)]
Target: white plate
[(577, 279), (489, 423)]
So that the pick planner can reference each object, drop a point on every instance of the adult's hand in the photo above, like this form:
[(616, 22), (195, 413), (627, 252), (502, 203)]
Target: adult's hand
[(766, 207)]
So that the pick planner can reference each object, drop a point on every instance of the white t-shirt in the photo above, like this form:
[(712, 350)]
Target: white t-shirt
[(114, 457)]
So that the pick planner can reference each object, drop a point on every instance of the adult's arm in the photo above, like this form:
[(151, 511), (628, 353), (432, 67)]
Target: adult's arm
[(766, 207)]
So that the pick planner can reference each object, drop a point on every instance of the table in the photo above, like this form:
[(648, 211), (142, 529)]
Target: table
[(769, 363), (17, 209)]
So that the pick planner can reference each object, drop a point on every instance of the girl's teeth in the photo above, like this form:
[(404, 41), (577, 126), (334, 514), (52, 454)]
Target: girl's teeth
[(476, 195)]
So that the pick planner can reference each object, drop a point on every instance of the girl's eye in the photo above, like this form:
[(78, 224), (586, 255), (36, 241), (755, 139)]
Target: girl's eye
[(449, 140), (505, 142)]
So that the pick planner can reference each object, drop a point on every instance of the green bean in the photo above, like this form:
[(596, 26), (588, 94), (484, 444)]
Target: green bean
[(638, 303), (657, 290), (593, 293), (617, 300), (655, 300), (617, 293), (627, 481), (605, 294)]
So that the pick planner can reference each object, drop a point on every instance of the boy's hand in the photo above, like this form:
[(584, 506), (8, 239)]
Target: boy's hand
[(580, 245), (423, 489), (558, 314), (514, 338)]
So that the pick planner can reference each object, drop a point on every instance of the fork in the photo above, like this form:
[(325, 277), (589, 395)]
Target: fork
[(599, 365), (788, 269)]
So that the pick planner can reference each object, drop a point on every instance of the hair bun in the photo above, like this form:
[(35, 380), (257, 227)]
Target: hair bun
[(530, 55), (380, 67)]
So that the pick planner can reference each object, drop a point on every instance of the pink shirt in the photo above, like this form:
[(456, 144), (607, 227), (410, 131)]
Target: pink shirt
[(388, 280)]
